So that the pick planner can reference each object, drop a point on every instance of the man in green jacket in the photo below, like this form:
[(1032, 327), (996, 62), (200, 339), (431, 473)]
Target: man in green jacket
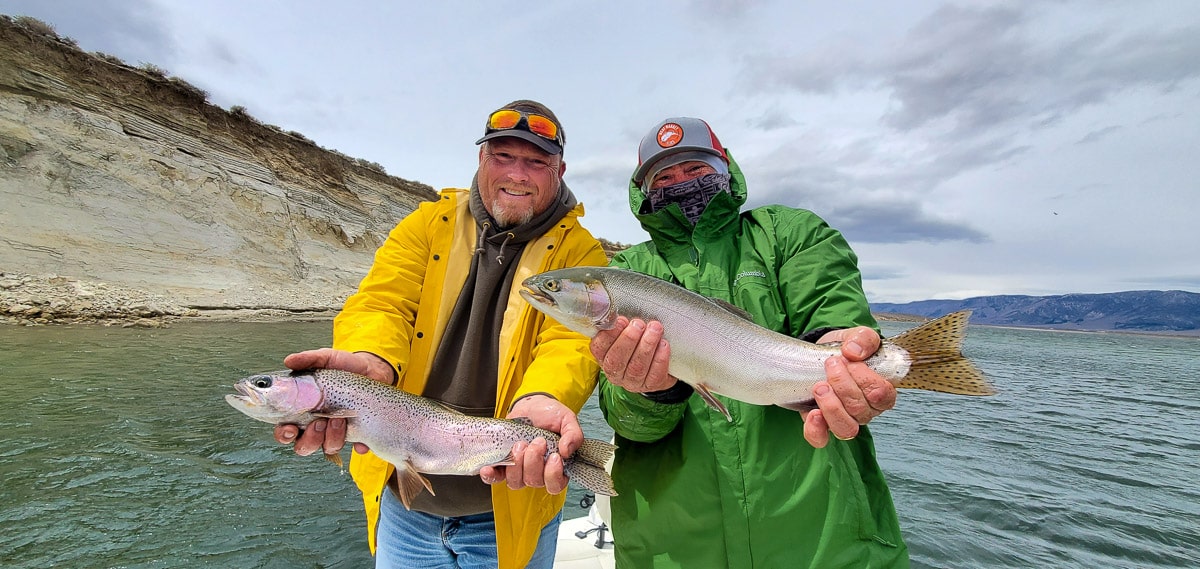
[(769, 489)]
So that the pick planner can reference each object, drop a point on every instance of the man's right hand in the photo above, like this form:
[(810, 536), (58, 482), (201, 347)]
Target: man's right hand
[(330, 434), (634, 355)]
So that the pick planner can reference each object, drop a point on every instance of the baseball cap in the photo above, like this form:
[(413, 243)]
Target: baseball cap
[(677, 140), (536, 124)]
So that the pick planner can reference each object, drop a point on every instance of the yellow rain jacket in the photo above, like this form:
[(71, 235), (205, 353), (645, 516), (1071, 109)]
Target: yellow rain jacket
[(399, 313)]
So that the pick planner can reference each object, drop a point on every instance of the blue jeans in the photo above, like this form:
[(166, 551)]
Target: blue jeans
[(408, 539)]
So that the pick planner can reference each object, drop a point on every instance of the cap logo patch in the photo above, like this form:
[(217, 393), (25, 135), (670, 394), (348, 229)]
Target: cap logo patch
[(669, 135)]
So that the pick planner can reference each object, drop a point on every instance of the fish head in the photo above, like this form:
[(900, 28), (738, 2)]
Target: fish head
[(575, 297), (278, 397)]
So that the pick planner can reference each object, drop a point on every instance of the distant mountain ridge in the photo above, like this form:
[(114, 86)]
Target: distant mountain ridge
[(1172, 311)]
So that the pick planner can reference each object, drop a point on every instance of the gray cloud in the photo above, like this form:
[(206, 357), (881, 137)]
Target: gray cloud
[(984, 68), (968, 87), (717, 11), (1098, 135), (982, 71), (882, 273), (896, 222), (1181, 281), (869, 215), (772, 119)]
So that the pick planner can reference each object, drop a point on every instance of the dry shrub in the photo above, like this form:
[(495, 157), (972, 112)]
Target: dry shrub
[(154, 70), (36, 26), (109, 58), (191, 91)]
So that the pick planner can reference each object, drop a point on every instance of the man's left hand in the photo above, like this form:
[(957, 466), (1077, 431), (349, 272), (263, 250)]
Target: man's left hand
[(852, 394), (533, 467)]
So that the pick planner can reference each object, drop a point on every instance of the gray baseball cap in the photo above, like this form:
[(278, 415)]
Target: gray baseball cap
[(521, 129), (678, 140)]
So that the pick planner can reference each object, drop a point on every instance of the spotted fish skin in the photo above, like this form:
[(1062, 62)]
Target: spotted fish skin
[(718, 349), (416, 434)]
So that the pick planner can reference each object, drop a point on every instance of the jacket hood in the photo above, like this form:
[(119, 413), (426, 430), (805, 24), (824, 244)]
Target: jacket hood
[(670, 222)]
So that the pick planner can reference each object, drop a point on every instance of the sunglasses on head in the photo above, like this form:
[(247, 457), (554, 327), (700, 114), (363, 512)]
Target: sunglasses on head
[(537, 124)]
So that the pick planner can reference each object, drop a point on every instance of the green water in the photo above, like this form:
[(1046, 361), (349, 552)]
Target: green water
[(120, 452)]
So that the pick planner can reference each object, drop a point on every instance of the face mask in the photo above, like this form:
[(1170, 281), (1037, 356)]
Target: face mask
[(692, 196)]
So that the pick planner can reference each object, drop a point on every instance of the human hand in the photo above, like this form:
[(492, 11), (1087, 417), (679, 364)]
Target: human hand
[(852, 393), (533, 468), (330, 434), (634, 355)]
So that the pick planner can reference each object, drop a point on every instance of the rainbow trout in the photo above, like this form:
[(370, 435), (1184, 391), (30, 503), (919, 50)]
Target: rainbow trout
[(717, 348), (415, 434)]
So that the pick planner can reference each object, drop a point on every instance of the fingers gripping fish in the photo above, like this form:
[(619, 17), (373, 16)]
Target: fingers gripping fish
[(416, 434), (717, 349)]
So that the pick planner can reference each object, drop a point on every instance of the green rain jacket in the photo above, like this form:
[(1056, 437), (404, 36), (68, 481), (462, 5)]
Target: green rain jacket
[(696, 491)]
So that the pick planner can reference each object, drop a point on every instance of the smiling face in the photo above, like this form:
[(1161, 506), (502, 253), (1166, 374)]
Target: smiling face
[(517, 180)]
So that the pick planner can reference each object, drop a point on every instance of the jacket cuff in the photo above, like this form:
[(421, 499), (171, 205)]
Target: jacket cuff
[(677, 393), (514, 403), (813, 335)]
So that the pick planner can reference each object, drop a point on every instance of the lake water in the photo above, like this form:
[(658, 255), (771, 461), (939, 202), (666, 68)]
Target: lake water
[(120, 452)]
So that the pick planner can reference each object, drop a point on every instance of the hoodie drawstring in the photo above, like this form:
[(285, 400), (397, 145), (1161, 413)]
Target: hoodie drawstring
[(500, 256), (483, 230)]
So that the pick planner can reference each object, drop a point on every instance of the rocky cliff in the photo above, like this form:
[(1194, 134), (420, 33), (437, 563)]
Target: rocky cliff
[(123, 180)]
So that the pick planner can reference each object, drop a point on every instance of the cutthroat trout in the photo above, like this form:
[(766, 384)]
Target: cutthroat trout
[(717, 348), (416, 434)]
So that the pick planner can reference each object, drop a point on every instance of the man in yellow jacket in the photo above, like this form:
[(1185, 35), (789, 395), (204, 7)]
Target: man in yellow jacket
[(439, 315)]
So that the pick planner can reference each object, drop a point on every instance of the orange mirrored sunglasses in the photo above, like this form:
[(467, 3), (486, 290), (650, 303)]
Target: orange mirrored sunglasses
[(537, 124)]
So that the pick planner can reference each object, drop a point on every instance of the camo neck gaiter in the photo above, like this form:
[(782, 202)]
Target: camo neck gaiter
[(692, 196)]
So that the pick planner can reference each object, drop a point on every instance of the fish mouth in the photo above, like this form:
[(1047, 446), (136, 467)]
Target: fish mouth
[(247, 395), (534, 296)]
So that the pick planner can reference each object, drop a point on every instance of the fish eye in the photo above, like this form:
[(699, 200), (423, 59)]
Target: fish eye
[(552, 285), (262, 382)]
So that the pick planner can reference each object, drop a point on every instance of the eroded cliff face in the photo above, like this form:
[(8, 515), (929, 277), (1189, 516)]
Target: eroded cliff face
[(114, 175)]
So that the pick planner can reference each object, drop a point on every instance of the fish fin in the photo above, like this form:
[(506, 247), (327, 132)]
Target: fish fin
[(595, 452), (410, 484), (712, 401), (445, 407), (590, 476), (337, 414), (800, 406), (522, 420), (733, 309), (937, 361), (335, 458), (508, 460)]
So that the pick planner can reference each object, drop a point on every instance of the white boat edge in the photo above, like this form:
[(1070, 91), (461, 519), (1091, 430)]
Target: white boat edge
[(576, 552), (578, 538)]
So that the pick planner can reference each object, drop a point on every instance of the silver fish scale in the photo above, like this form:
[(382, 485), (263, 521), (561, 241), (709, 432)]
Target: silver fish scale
[(711, 346), (416, 434), (720, 350), (754, 364), (401, 427)]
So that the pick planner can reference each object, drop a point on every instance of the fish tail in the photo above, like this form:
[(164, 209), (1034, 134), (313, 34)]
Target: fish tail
[(937, 360), (589, 466), (595, 452), (590, 476)]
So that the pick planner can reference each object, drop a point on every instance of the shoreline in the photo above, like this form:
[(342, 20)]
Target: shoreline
[(55, 300)]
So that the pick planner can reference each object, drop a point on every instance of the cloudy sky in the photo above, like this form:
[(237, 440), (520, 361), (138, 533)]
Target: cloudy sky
[(964, 148)]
